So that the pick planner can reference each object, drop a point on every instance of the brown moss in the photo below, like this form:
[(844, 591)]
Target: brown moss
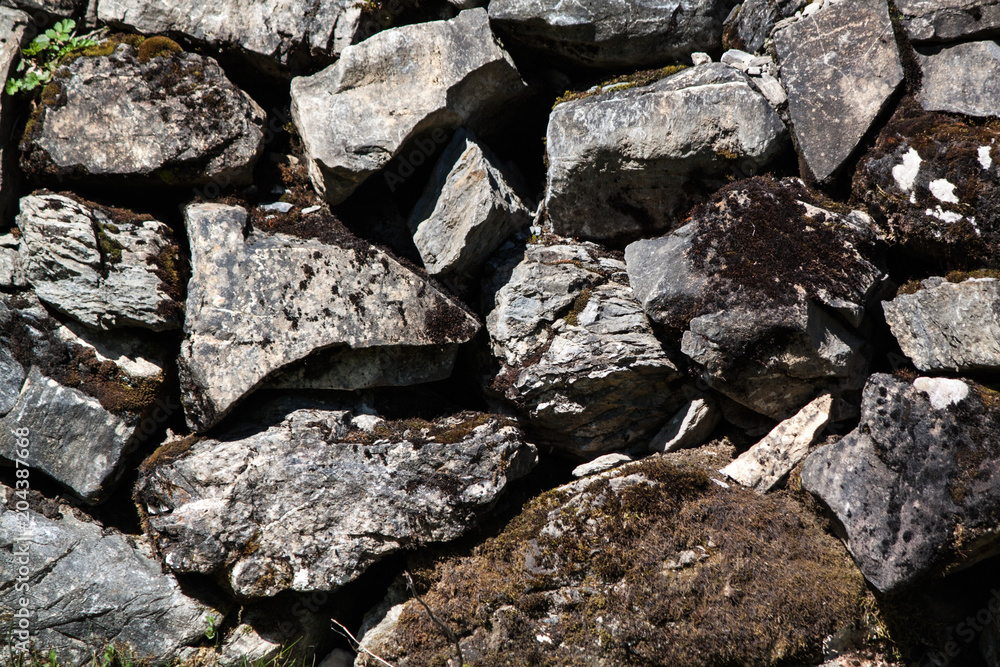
[(157, 47), (579, 304), (771, 587), (167, 453), (53, 95), (622, 82)]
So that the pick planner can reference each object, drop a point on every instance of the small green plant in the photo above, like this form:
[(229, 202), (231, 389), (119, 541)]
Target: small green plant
[(210, 630), (40, 58)]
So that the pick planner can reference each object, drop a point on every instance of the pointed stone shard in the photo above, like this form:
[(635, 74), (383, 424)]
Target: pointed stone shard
[(258, 303), (840, 66)]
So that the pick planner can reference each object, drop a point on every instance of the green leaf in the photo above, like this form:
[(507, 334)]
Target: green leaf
[(13, 85)]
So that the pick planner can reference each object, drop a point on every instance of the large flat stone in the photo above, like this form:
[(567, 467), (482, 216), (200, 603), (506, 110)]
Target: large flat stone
[(963, 78), (258, 303), (949, 20), (840, 66)]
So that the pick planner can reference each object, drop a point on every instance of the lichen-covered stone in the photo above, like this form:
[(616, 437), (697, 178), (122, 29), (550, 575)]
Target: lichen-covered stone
[(933, 181), (961, 78), (612, 34), (91, 586), (840, 67), (949, 326), (630, 164), (259, 302), (649, 564), (915, 485), (577, 353), (949, 20), (765, 289), (165, 121), (310, 502), (449, 73), (108, 268), (277, 34)]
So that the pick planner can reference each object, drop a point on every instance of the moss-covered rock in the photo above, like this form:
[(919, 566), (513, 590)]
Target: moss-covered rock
[(653, 564)]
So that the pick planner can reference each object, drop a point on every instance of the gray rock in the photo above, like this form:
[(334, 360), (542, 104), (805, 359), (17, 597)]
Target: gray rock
[(89, 586), (769, 461), (949, 20), (748, 289), (85, 403), (577, 353), (840, 69), (105, 268), (690, 427), (963, 78), (749, 25), (601, 464), (65, 8), (950, 326), (173, 120), (451, 73), (630, 164), (276, 34), (915, 486), (468, 209), (11, 269), (17, 30), (243, 324), (309, 503), (613, 34)]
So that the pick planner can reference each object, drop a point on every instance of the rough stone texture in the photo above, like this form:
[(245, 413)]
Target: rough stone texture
[(577, 353), (915, 486), (949, 20), (601, 464), (749, 25), (309, 503), (964, 78), (649, 564), (279, 34), (947, 326), (468, 209), (174, 120), (54, 7), (768, 462), (103, 269), (450, 73), (764, 288), (243, 324), (83, 402), (840, 67), (17, 31), (90, 586), (690, 427), (933, 182), (629, 164), (11, 267), (613, 34)]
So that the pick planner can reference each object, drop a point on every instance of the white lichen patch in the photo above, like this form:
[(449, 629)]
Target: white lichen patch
[(943, 190), (906, 173), (942, 392), (944, 216), (984, 157)]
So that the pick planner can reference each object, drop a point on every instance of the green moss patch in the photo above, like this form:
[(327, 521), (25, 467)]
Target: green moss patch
[(157, 47), (671, 570)]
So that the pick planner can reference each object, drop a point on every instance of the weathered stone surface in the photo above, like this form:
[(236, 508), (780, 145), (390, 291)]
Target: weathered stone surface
[(84, 404), (244, 325), (11, 267), (963, 78), (764, 288), (651, 564), (467, 211), (768, 462), (450, 73), (915, 486), (601, 464), (107, 268), (947, 326), (629, 164), (577, 353), (839, 67), (613, 34), (169, 120), (934, 181), (309, 503), (278, 34), (749, 25), (54, 7), (91, 586), (949, 20), (16, 30), (689, 427)]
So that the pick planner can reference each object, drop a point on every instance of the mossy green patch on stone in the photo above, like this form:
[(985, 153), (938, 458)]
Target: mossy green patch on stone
[(157, 47)]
